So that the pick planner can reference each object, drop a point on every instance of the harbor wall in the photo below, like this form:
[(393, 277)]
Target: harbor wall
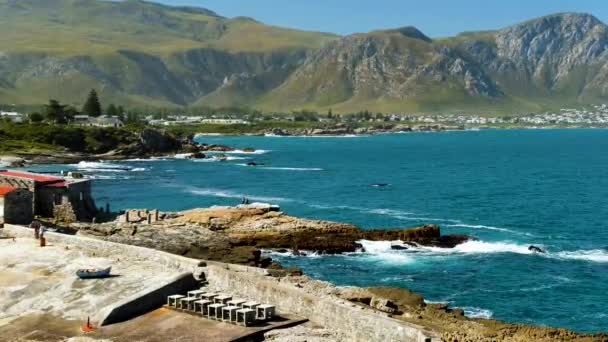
[(355, 322), (330, 312)]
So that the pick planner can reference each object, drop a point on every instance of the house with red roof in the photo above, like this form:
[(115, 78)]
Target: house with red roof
[(65, 199)]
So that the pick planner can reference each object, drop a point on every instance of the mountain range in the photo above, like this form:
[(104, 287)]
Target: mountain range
[(145, 54)]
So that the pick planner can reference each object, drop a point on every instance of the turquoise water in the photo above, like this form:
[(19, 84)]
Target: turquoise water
[(508, 188)]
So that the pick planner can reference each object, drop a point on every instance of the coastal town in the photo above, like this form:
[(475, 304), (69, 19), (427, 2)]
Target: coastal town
[(593, 116)]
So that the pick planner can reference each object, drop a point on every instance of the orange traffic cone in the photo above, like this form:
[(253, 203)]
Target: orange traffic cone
[(88, 327)]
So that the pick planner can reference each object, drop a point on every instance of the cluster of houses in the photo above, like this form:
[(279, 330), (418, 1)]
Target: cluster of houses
[(13, 116), (79, 120), (189, 120), (100, 121), (25, 195)]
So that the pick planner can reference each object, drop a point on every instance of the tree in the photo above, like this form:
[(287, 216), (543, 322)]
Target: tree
[(92, 106), (55, 112), (70, 113), (36, 117), (112, 110), (330, 114), (121, 113)]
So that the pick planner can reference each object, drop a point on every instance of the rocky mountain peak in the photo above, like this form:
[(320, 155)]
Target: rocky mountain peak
[(550, 47), (410, 32)]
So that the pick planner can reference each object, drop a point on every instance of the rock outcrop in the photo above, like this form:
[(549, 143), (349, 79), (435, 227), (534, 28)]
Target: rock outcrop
[(237, 234), (342, 129)]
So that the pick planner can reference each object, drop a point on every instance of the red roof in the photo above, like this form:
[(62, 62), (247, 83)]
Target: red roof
[(56, 185), (31, 176), (4, 190)]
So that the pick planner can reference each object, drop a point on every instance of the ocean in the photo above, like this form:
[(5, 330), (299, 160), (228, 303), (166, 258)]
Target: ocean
[(508, 188)]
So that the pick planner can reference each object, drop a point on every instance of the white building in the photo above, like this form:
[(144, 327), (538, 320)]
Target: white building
[(13, 116), (102, 121), (225, 121)]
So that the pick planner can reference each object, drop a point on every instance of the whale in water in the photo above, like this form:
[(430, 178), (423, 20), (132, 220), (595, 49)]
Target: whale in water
[(535, 249)]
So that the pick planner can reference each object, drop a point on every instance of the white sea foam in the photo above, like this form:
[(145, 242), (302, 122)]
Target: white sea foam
[(479, 226), (107, 177), (469, 247), (244, 152), (139, 169), (151, 159), (381, 251), (292, 168), (100, 165), (206, 160), (230, 194), (482, 247), (596, 255), (473, 312), (183, 156)]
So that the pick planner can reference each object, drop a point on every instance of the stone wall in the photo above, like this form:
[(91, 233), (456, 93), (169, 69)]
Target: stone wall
[(357, 323), (18, 207), (330, 312), (102, 248), (64, 213), (77, 195), (142, 303)]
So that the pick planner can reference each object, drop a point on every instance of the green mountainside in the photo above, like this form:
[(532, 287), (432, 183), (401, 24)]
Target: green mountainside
[(136, 52), (144, 54)]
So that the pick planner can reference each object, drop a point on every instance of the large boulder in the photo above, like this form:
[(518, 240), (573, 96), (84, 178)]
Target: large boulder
[(158, 141)]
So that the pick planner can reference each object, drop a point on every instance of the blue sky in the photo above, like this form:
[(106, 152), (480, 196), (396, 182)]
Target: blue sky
[(435, 18)]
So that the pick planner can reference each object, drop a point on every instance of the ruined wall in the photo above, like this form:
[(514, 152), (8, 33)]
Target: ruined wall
[(47, 198), (65, 213), (79, 195), (330, 312), (59, 201), (18, 207)]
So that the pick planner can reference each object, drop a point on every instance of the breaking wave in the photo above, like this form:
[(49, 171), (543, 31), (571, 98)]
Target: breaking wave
[(243, 152), (229, 194), (287, 168), (479, 226), (383, 249), (473, 312), (596, 255), (101, 167)]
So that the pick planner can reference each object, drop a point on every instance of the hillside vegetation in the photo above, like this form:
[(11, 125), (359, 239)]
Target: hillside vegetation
[(149, 55)]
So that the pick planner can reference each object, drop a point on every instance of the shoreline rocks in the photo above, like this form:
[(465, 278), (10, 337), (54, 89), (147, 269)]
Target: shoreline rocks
[(147, 144), (235, 234), (345, 130)]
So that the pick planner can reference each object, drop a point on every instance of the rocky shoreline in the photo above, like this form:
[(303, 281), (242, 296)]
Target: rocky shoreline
[(149, 143), (345, 130), (238, 234)]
